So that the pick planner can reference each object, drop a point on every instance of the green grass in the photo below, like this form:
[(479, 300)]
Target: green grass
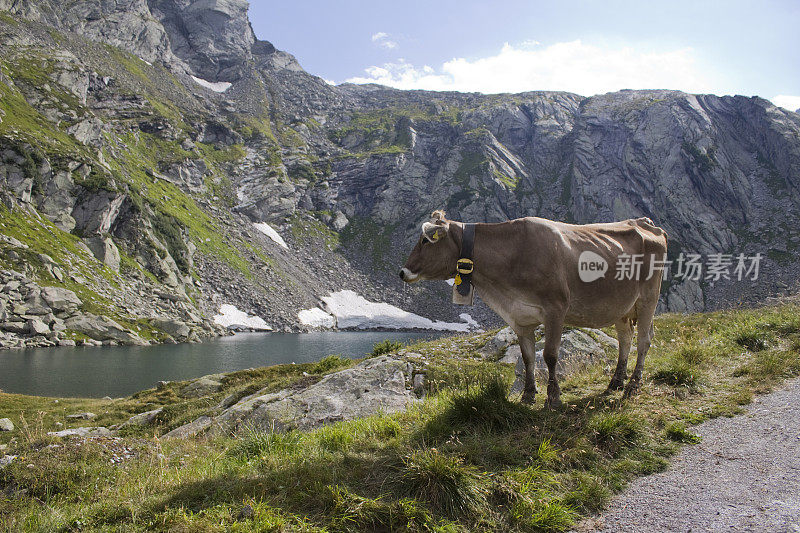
[(373, 238), (509, 181), (24, 123), (677, 431), (386, 346), (177, 211), (306, 229), (385, 131), (466, 458), (444, 483)]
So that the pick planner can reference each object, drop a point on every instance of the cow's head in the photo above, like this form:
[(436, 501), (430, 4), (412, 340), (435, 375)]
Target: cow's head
[(436, 252)]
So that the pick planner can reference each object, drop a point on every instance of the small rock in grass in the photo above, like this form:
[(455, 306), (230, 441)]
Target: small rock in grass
[(143, 419), (6, 424), (246, 513), (82, 416), (83, 432)]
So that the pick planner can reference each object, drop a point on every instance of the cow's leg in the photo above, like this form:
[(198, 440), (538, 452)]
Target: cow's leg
[(527, 344), (553, 328), (644, 334), (624, 336)]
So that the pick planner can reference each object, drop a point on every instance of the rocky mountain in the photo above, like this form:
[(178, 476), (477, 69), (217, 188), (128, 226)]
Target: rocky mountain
[(141, 140)]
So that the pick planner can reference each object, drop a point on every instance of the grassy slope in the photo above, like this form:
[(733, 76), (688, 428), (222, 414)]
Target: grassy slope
[(465, 459), (129, 155)]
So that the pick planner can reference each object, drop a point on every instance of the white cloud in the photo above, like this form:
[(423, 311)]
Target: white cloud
[(382, 39), (792, 103), (569, 66)]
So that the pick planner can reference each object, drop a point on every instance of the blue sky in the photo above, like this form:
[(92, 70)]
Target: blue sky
[(587, 47)]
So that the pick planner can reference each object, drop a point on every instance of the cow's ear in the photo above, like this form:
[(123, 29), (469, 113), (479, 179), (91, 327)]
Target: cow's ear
[(434, 232), (437, 215)]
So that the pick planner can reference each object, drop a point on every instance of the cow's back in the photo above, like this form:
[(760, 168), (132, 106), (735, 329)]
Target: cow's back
[(601, 300)]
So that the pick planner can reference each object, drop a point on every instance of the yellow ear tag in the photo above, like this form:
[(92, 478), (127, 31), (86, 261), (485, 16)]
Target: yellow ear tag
[(457, 279)]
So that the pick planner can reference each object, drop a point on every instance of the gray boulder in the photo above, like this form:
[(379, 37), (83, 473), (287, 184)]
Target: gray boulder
[(60, 299), (204, 386), (6, 424), (579, 348), (83, 432), (103, 329), (14, 326), (191, 429), (97, 212), (142, 419), (377, 384), (372, 386), (82, 416), (176, 328), (104, 250), (35, 326), (498, 344)]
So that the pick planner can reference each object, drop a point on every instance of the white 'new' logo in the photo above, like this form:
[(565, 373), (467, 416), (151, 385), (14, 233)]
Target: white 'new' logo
[(591, 266)]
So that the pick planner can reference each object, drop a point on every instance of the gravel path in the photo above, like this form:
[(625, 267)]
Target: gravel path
[(743, 476)]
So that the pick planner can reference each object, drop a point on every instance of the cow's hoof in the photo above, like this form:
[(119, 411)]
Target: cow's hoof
[(615, 385), (631, 390), (553, 403), (528, 397)]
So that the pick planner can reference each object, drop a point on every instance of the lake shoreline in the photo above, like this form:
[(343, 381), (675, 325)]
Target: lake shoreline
[(83, 371)]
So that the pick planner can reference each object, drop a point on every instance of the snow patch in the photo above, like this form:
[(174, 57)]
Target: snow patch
[(216, 86), (230, 316), (316, 318), (471, 322), (353, 311), (450, 281), (270, 232)]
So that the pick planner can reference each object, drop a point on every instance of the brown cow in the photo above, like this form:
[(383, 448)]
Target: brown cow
[(534, 271)]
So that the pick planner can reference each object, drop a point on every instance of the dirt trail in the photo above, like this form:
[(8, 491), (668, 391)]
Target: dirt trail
[(743, 476)]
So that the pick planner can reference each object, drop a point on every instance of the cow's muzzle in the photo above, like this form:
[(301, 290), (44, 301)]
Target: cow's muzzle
[(408, 276)]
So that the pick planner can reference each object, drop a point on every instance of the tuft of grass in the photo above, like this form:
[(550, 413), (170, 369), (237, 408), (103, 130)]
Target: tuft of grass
[(770, 365), (615, 430), (546, 453), (330, 363), (386, 346), (679, 373), (255, 443), (589, 494), (352, 512), (754, 341), (34, 431), (553, 516), (336, 438), (444, 483), (486, 406), (677, 432)]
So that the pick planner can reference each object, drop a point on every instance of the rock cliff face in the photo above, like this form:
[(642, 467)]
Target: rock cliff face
[(155, 133)]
